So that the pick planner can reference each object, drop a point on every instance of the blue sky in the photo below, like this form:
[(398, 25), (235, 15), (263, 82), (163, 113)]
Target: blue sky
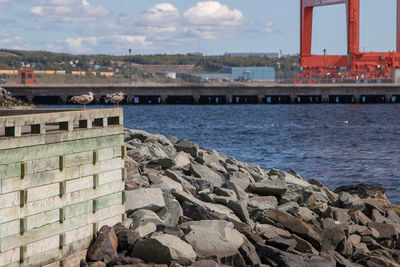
[(183, 26)]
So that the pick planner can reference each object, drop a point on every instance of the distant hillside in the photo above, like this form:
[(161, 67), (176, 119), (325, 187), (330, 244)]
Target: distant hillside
[(285, 67)]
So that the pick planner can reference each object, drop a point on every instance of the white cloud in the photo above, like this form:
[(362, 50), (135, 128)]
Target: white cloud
[(269, 27), (67, 11), (213, 13), (112, 43), (11, 41)]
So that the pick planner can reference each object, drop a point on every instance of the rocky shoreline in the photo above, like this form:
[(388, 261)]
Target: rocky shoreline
[(188, 206)]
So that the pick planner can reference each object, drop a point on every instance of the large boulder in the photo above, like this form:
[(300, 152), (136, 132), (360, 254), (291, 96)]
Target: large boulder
[(164, 249), (275, 187), (104, 248), (213, 238), (145, 198)]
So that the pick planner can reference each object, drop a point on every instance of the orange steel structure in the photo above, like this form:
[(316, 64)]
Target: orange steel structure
[(355, 65)]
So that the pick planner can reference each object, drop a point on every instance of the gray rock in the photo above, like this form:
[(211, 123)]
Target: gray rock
[(186, 146), (269, 187), (126, 238), (145, 198), (164, 249), (165, 163), (181, 159), (249, 253), (276, 257), (144, 229), (222, 212), (280, 243), (207, 174), (263, 203), (156, 151), (296, 226), (144, 216), (166, 184), (197, 212), (392, 216), (172, 211), (140, 154), (213, 238), (290, 207), (240, 193), (306, 215), (240, 209), (333, 233), (386, 231), (270, 231), (352, 202), (241, 178)]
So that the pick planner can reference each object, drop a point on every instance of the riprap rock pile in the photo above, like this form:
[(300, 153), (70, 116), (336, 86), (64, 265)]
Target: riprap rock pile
[(194, 207)]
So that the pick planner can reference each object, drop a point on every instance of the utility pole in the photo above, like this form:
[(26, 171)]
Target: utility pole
[(130, 65)]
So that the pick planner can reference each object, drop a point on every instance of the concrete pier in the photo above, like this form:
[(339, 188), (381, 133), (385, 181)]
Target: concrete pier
[(233, 93)]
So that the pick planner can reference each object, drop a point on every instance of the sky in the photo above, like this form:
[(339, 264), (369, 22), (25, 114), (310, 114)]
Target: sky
[(186, 26)]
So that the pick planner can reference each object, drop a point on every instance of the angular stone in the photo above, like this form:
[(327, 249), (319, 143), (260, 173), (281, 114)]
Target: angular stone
[(171, 230), (263, 203), (333, 232), (144, 229), (145, 198), (362, 190), (270, 231), (271, 187), (126, 238), (165, 163), (296, 226), (172, 211), (276, 257), (306, 214), (181, 159), (104, 247), (280, 243), (144, 216), (392, 215), (241, 178), (355, 239), (290, 207), (386, 231), (240, 209), (187, 147), (249, 253), (197, 212), (166, 184), (163, 249), (303, 245), (213, 238), (352, 202), (207, 174), (375, 261)]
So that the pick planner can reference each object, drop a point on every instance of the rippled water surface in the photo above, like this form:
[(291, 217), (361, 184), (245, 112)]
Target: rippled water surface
[(337, 144)]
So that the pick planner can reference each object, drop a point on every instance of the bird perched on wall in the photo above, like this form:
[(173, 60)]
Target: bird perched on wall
[(83, 99), (115, 98)]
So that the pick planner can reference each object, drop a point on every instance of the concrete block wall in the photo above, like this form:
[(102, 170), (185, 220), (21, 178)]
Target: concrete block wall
[(61, 179)]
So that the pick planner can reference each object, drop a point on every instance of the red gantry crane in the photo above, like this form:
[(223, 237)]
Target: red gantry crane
[(353, 66)]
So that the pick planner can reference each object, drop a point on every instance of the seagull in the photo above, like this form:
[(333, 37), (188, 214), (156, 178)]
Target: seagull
[(83, 99), (115, 98)]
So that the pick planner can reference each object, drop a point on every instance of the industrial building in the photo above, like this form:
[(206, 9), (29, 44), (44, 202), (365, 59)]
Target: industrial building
[(232, 74)]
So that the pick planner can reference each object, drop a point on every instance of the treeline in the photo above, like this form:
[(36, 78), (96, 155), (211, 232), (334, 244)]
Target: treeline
[(285, 67)]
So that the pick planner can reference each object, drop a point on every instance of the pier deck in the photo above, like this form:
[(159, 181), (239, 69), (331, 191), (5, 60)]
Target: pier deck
[(235, 93)]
